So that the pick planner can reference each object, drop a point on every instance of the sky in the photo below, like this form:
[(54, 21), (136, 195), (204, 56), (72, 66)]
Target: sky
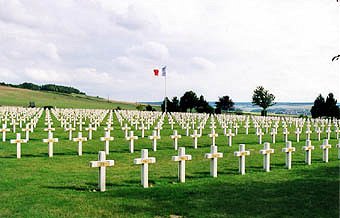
[(215, 48)]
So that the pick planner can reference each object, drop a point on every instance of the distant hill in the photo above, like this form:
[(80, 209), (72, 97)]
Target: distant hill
[(21, 97)]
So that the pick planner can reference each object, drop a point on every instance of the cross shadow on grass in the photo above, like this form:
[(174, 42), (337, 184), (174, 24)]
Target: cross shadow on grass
[(316, 194)]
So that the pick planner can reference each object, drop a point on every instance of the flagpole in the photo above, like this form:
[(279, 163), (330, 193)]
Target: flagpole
[(165, 100)]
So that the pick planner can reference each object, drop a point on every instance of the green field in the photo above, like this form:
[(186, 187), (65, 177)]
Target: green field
[(21, 97), (65, 185)]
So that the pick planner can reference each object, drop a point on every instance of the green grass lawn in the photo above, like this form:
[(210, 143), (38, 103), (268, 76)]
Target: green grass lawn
[(64, 186), (22, 97)]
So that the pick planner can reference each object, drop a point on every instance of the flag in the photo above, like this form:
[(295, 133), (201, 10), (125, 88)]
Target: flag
[(156, 71), (164, 71)]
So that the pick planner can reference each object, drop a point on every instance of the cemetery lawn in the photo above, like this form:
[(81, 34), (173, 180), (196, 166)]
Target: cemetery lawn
[(65, 185), (22, 97)]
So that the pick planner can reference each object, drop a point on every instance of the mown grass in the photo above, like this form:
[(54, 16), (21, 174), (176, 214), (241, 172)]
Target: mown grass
[(21, 97), (64, 186)]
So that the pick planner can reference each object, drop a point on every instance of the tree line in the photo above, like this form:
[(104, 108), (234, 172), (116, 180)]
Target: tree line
[(47, 87)]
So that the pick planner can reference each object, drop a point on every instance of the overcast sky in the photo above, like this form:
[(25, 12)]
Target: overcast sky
[(215, 48)]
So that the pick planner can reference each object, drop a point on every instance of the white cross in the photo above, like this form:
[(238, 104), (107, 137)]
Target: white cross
[(213, 155), (18, 141), (318, 131), (338, 146), (144, 161), (337, 131), (236, 126), (325, 146), (259, 133), (308, 148), (90, 129), (143, 128), (273, 134), (171, 122), (213, 136), (285, 133), (247, 127), (154, 139), (181, 158), (242, 153), (297, 132), (80, 141), (158, 129), (308, 132), (102, 163), (50, 140), (132, 138), (107, 138), (175, 137), (266, 151), (49, 128), (27, 130), (3, 131), (70, 129), (81, 124), (109, 128), (328, 131), (288, 150), (14, 123), (195, 136), (230, 137), (187, 128), (126, 128)]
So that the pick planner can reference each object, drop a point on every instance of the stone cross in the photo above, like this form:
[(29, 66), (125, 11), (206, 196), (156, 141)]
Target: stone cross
[(90, 129), (266, 151), (213, 155), (81, 124), (14, 123), (132, 138), (247, 127), (171, 122), (285, 133), (298, 132), (259, 133), (102, 163), (126, 128), (49, 128), (18, 141), (230, 136), (80, 141), (236, 126), (273, 134), (328, 131), (107, 138), (213, 136), (195, 136), (325, 146), (187, 128), (50, 140), (143, 128), (308, 132), (200, 128), (109, 128), (158, 129), (308, 148), (242, 153), (318, 131), (338, 146), (154, 139), (69, 130), (27, 130), (3, 131), (337, 131), (175, 137), (144, 161), (288, 150), (181, 158)]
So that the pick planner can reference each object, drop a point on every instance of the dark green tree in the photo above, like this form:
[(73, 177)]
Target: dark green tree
[(263, 99), (175, 104), (203, 106), (318, 109), (188, 101), (224, 103), (331, 108), (168, 105)]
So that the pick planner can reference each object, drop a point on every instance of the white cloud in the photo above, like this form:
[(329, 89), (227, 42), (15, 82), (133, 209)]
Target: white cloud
[(214, 48)]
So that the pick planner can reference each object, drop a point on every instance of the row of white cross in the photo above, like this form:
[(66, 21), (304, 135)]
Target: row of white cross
[(145, 160)]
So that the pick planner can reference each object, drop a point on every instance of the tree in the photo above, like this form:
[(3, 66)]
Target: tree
[(175, 105), (326, 108), (203, 106), (188, 101), (224, 103), (318, 109), (331, 108), (263, 98), (149, 108), (168, 105)]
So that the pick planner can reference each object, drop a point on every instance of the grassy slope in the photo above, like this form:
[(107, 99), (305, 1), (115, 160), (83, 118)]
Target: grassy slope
[(62, 186), (21, 97)]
